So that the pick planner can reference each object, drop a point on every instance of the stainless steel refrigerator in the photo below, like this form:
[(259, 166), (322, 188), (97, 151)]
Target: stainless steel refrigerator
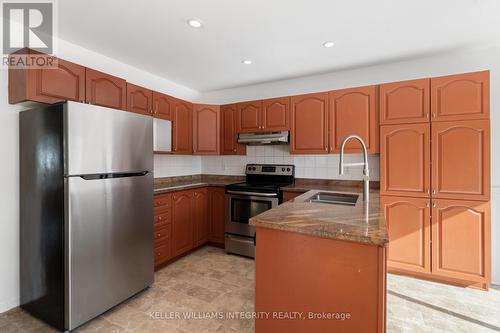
[(86, 210)]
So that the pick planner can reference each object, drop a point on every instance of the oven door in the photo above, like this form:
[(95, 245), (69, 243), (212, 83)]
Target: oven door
[(241, 206)]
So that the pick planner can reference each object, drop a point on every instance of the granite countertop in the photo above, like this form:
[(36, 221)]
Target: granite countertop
[(172, 184), (341, 222)]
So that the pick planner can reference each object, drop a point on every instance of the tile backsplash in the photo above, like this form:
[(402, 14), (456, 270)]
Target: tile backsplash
[(307, 166)]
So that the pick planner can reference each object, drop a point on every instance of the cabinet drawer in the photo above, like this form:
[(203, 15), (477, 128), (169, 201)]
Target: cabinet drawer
[(162, 253), (163, 233), (162, 201), (162, 218)]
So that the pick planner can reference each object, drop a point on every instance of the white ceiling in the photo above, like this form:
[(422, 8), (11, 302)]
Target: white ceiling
[(283, 37)]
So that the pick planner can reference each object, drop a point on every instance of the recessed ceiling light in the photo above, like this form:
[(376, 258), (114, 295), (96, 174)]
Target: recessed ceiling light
[(247, 62), (328, 44), (194, 23)]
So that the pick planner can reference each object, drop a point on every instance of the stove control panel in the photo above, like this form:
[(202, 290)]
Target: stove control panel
[(270, 169)]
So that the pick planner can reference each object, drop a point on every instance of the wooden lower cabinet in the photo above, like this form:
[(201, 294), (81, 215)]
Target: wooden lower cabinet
[(409, 225), (201, 217), (438, 239), (217, 207), (461, 241), (184, 220), (162, 228)]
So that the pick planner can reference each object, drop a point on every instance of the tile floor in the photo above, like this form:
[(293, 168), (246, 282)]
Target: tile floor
[(208, 280)]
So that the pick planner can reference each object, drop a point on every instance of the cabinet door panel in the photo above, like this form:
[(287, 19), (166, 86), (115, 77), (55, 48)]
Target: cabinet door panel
[(461, 97), (276, 114), (182, 219), (217, 214), (408, 222), (405, 102), (461, 240), (66, 82), (354, 111), (461, 160), (229, 136), (105, 90), (309, 124), (163, 106), (249, 116), (405, 160), (139, 99), (182, 127), (201, 216), (206, 131)]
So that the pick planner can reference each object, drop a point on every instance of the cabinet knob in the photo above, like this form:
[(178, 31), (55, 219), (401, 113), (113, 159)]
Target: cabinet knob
[(434, 191), (433, 115), (158, 234), (234, 150), (160, 218), (158, 254)]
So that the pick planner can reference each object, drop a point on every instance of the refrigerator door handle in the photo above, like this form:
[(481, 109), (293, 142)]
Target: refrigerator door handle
[(114, 175)]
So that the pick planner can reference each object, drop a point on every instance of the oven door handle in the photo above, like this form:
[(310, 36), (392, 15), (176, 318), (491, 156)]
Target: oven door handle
[(253, 193)]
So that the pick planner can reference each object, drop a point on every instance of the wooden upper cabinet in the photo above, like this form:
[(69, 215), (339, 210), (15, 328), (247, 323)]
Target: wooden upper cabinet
[(409, 226), (249, 116), (182, 127), (354, 111), (405, 152), (461, 160), (309, 124), (206, 129), (276, 114), (229, 135), (105, 90), (461, 240), (405, 102), (139, 99), (201, 217), (461, 97), (182, 222), (217, 209), (66, 82), (163, 106)]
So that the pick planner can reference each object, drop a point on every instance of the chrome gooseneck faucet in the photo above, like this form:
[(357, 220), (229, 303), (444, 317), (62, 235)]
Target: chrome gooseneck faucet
[(366, 170)]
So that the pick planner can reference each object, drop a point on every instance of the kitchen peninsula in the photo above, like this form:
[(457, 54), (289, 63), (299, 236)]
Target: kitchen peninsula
[(325, 261)]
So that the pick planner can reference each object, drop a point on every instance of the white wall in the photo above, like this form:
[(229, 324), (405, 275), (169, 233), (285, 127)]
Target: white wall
[(172, 165), (487, 57), (9, 157)]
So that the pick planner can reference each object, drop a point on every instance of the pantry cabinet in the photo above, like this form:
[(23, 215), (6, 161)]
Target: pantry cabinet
[(405, 160), (405, 102), (309, 124), (206, 129), (105, 90), (66, 82), (409, 226), (461, 97), (139, 99), (461, 241), (182, 127), (461, 160), (229, 133), (354, 111)]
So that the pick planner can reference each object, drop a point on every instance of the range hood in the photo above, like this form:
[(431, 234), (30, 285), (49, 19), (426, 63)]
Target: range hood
[(264, 138)]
